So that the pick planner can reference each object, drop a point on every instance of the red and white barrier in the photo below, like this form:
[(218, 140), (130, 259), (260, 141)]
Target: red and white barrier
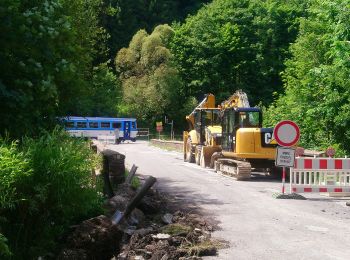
[(320, 175)]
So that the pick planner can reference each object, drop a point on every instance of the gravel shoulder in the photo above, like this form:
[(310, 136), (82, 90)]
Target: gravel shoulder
[(256, 225)]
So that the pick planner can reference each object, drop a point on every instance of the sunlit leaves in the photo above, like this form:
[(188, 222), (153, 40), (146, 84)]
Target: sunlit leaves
[(316, 78)]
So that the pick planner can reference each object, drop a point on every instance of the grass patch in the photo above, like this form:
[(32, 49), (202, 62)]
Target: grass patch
[(135, 182), (205, 248), (176, 229)]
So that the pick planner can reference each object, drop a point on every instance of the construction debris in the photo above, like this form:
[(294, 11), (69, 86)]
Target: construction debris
[(161, 233)]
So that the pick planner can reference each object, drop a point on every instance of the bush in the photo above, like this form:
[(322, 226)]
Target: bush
[(4, 250), (14, 170), (49, 181)]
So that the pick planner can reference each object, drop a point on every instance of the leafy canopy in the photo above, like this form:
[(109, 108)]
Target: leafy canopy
[(236, 44), (316, 78)]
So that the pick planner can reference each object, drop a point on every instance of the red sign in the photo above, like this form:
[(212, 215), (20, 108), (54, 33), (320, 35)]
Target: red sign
[(299, 151), (159, 126), (286, 133), (330, 151)]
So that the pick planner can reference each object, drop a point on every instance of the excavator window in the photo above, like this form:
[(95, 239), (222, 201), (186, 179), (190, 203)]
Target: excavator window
[(211, 117), (249, 119)]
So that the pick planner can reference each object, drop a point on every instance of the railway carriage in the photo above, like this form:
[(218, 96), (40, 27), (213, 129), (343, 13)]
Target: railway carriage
[(117, 129)]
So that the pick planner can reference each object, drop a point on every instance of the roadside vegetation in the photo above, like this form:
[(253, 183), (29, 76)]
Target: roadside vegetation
[(46, 185)]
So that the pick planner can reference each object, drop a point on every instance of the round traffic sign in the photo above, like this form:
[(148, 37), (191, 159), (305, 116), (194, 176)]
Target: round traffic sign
[(299, 151), (286, 133), (330, 151)]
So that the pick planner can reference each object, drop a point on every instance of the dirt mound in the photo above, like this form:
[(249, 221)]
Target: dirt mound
[(155, 230), (187, 236)]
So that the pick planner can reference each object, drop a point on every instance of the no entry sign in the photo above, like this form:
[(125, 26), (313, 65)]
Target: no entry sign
[(286, 133)]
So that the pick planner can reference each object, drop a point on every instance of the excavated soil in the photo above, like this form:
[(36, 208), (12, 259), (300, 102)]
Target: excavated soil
[(169, 233), (157, 229)]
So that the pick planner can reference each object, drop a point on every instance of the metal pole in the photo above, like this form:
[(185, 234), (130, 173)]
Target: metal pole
[(172, 129), (283, 179), (290, 180)]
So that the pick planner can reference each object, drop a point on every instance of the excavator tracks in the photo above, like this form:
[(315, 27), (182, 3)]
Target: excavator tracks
[(240, 170)]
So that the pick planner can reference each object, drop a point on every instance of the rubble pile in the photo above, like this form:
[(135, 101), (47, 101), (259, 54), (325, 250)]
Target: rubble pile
[(152, 231)]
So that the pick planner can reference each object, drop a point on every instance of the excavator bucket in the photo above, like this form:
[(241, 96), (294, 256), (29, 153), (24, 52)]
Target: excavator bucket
[(207, 152)]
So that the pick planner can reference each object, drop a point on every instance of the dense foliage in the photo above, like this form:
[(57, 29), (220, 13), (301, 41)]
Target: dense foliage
[(123, 18), (47, 54), (316, 79), (236, 44), (45, 186), (149, 79)]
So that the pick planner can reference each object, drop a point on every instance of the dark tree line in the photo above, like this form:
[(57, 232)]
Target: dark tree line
[(123, 18)]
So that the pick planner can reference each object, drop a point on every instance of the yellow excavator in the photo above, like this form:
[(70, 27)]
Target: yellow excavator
[(204, 135), (245, 143)]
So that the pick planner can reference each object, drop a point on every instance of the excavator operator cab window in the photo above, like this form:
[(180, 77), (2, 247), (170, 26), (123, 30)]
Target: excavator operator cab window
[(211, 117), (197, 119), (249, 119)]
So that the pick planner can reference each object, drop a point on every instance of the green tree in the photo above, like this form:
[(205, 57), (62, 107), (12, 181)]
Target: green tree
[(123, 18), (149, 80), (47, 54), (235, 44), (106, 92), (316, 78)]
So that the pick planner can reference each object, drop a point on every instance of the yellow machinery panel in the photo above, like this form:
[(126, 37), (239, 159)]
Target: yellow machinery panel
[(245, 141), (249, 146), (263, 152)]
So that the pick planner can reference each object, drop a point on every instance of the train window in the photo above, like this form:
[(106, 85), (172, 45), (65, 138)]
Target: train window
[(81, 124), (105, 125), (116, 125), (93, 124), (69, 124)]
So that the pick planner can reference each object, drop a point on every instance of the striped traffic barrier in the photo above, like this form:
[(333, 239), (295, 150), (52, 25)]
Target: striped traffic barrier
[(320, 175)]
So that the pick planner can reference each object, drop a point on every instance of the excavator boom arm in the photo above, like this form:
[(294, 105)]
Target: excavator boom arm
[(238, 99)]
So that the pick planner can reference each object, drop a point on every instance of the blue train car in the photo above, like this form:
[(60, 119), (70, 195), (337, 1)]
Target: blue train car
[(121, 129)]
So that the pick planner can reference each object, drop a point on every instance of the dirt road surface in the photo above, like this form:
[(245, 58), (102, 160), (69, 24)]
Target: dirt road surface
[(256, 225)]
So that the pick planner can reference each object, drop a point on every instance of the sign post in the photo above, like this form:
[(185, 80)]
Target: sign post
[(159, 126), (166, 120), (286, 133), (285, 158)]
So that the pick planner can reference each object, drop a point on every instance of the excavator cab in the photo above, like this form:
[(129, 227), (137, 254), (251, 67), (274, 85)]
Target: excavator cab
[(234, 119), (205, 118)]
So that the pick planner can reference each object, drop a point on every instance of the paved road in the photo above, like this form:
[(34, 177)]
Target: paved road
[(256, 225)]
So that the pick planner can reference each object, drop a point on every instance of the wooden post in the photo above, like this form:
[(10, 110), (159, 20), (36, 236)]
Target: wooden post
[(131, 174), (107, 184), (119, 216)]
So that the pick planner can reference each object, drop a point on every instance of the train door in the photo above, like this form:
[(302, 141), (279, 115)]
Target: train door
[(127, 127)]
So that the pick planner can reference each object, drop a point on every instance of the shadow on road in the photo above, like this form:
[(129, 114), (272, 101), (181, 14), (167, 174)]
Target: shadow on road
[(184, 199), (261, 177)]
